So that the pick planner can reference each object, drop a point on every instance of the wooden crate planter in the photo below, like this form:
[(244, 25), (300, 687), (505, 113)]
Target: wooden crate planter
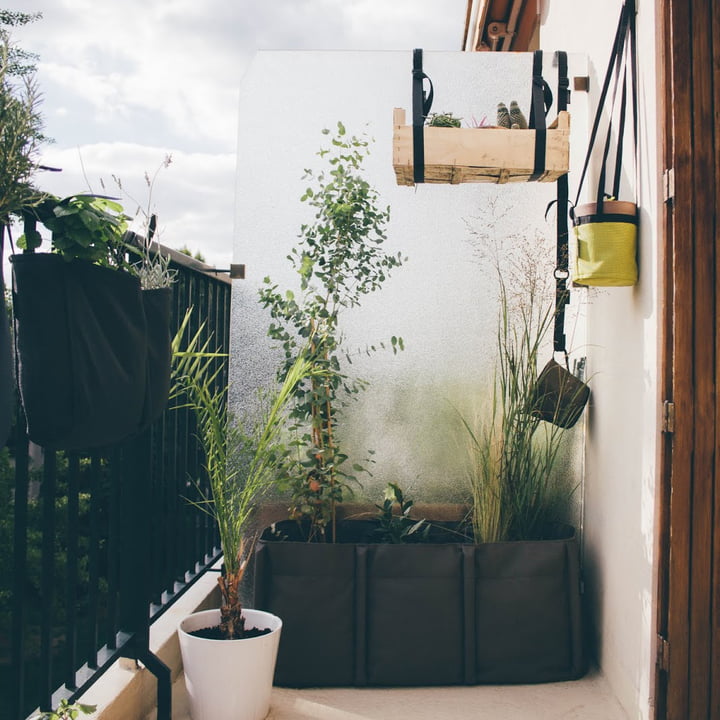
[(496, 155), (359, 613)]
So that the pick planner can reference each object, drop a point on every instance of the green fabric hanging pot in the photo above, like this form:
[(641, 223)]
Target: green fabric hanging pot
[(606, 244)]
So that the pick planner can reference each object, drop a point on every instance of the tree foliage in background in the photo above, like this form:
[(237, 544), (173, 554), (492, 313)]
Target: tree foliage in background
[(339, 259), (21, 123), (20, 62), (197, 255)]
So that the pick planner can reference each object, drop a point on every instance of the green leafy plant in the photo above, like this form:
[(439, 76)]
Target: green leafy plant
[(84, 227), (66, 711), (396, 525), (240, 466), (443, 120), (339, 259)]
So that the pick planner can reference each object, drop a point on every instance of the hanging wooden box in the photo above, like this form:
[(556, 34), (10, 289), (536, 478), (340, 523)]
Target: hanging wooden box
[(496, 155)]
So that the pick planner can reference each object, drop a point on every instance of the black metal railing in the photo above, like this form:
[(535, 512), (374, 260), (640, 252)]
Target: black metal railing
[(94, 547)]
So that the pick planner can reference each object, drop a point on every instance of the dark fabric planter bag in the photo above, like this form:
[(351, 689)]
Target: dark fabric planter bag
[(357, 613), (81, 338)]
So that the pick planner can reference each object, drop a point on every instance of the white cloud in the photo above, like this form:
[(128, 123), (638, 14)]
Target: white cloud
[(130, 81), (193, 197)]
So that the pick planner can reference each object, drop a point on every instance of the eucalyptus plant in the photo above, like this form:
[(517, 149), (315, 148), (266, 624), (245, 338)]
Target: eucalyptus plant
[(240, 465), (339, 259)]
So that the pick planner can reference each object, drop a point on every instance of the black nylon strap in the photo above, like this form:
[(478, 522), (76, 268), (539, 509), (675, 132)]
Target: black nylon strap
[(562, 293), (634, 91), (605, 218), (421, 104), (619, 73), (621, 135), (537, 114), (615, 57)]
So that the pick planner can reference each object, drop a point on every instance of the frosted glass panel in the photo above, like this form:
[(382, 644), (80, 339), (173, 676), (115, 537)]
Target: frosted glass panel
[(443, 301)]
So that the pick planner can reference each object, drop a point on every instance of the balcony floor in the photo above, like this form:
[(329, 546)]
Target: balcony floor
[(586, 699)]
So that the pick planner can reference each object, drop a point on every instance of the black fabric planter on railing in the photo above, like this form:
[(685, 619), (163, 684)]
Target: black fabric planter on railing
[(92, 349), (445, 613)]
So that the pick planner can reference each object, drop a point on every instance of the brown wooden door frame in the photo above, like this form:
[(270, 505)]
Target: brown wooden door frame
[(687, 679)]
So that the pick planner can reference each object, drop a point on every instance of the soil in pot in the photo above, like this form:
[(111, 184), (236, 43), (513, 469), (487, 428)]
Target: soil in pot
[(213, 633)]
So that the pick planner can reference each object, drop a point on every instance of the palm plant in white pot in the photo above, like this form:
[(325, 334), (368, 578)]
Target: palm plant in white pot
[(229, 653)]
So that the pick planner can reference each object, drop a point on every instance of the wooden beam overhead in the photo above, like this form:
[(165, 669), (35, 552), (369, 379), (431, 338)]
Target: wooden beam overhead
[(500, 25)]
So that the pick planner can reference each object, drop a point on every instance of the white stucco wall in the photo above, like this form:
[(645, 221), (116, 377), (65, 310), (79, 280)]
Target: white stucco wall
[(623, 358), (441, 302)]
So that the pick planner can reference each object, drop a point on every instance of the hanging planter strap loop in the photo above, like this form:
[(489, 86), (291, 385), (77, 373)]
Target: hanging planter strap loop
[(606, 230), (539, 105), (562, 272), (422, 102), (560, 397)]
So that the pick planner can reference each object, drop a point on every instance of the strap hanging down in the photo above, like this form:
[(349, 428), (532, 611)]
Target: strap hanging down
[(422, 102), (562, 273), (539, 105), (625, 33)]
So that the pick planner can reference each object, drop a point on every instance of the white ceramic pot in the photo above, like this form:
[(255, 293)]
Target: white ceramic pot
[(229, 679)]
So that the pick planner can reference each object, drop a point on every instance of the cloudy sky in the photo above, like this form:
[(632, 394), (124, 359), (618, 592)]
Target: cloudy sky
[(127, 83)]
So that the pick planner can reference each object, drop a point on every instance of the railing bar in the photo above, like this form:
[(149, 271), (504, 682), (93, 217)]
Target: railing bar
[(155, 474), (20, 544), (224, 328), (151, 500), (194, 464), (171, 485), (171, 481), (114, 547), (220, 295), (71, 586), (178, 556), (161, 508), (184, 437), (47, 578), (94, 560), (194, 547), (213, 293)]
